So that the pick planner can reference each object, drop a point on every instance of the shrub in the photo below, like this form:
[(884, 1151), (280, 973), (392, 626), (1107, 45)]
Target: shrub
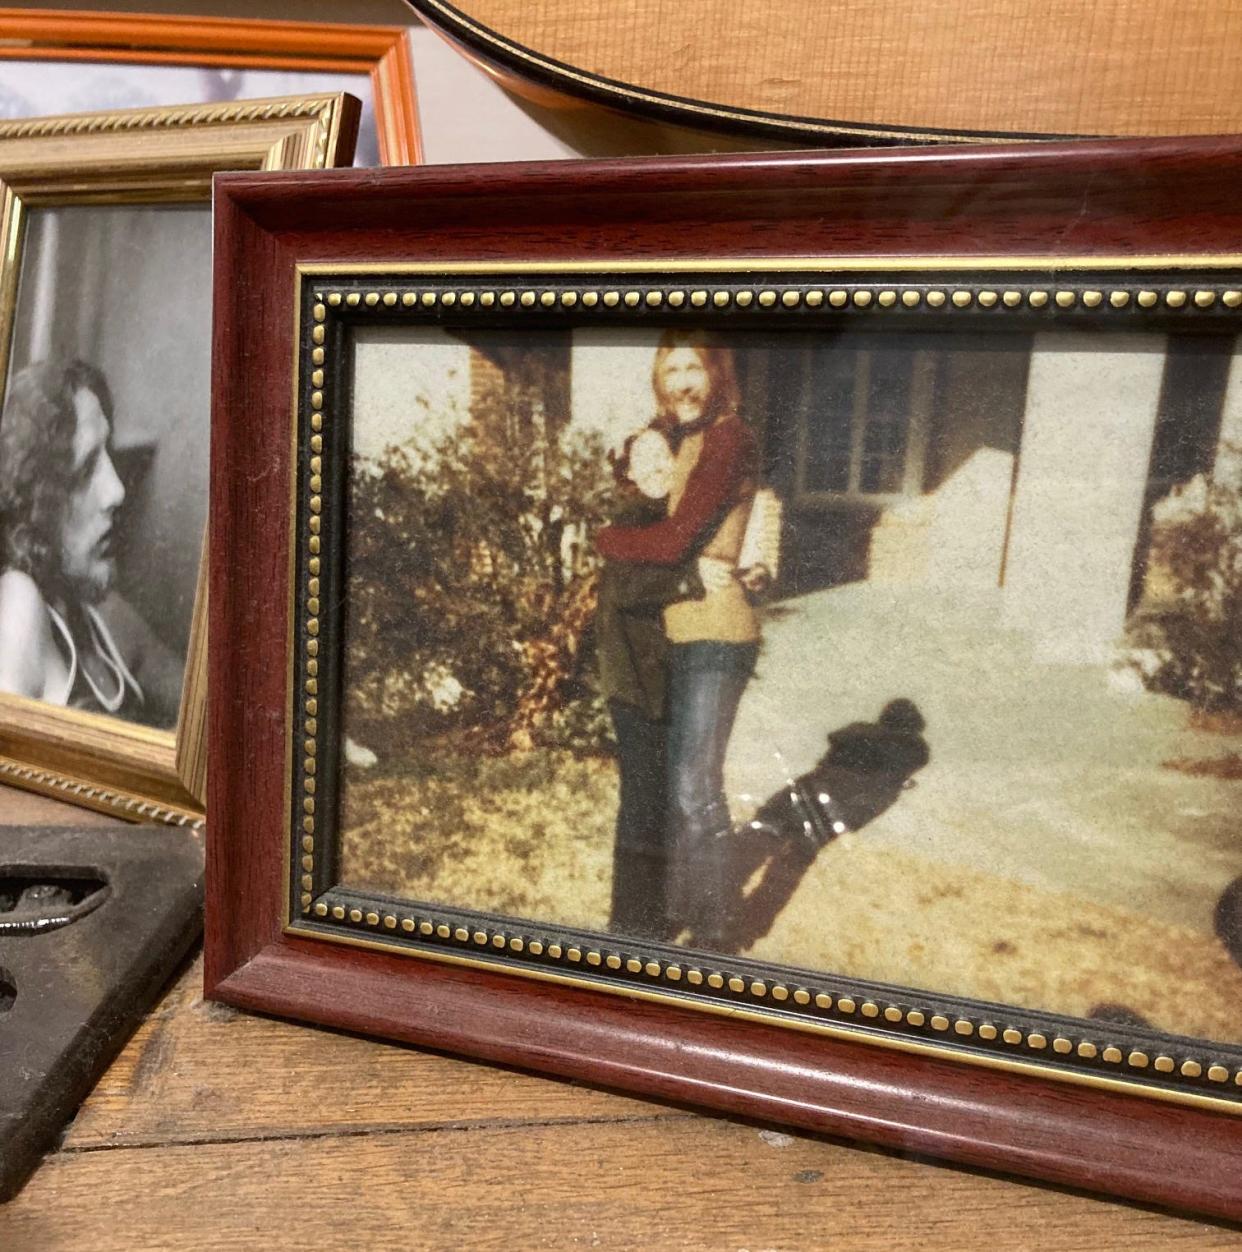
[(1191, 646), (461, 556)]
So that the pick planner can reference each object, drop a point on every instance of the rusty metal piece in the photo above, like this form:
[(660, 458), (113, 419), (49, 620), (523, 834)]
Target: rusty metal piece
[(92, 923)]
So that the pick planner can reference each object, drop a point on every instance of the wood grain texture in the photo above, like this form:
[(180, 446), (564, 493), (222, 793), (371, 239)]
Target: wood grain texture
[(199, 1072), (1058, 201), (633, 1183), (1064, 1134), (217, 1129), (1116, 67)]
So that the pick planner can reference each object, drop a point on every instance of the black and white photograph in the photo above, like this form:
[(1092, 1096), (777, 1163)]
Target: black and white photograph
[(103, 458), (912, 654)]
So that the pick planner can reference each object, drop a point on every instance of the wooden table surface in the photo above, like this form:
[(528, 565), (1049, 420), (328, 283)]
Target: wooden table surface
[(217, 1129)]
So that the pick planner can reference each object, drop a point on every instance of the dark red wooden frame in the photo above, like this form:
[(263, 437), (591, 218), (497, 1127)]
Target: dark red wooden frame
[(1086, 199)]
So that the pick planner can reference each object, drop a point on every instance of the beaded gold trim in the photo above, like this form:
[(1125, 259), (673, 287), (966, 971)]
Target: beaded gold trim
[(823, 1000), (306, 706), (786, 297)]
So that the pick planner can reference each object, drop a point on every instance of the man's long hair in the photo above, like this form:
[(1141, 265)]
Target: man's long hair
[(723, 396), (37, 431)]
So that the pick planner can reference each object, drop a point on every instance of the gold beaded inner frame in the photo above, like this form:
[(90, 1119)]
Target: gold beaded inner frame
[(1134, 294)]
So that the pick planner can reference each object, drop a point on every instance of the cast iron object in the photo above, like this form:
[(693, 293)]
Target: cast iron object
[(92, 923)]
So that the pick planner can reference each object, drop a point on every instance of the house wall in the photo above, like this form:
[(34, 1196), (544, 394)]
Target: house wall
[(487, 385), (1045, 458), (410, 388), (979, 405), (951, 533), (1228, 459), (1079, 496)]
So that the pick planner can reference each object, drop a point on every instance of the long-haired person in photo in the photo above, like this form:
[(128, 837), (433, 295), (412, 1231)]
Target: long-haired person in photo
[(713, 641), (66, 637)]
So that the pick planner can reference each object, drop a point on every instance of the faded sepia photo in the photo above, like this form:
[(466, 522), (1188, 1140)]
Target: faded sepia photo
[(914, 656), (103, 458)]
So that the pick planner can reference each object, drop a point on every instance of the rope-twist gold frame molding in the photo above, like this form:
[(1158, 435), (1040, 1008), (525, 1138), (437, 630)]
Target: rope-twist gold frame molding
[(107, 801), (1142, 292), (319, 109), (312, 141)]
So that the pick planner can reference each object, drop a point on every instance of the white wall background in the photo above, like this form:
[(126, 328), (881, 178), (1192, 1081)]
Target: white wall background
[(412, 386), (464, 115)]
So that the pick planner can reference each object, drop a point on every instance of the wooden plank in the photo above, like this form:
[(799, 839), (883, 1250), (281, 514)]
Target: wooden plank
[(697, 1183), (351, 1118), (200, 1071)]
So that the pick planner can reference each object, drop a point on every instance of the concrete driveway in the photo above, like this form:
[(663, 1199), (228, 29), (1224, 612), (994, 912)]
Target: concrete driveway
[(1048, 775)]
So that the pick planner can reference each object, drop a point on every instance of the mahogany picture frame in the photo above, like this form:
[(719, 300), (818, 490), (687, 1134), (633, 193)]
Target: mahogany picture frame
[(1117, 207)]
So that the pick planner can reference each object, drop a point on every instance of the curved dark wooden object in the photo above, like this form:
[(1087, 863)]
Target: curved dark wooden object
[(1097, 198), (865, 72)]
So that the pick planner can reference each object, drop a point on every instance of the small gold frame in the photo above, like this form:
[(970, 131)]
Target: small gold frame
[(138, 156)]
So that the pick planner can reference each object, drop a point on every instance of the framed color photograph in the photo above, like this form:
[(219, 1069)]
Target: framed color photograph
[(105, 300), (784, 654), (68, 61)]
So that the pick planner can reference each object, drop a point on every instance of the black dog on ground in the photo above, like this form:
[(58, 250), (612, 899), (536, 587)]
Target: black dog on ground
[(866, 767)]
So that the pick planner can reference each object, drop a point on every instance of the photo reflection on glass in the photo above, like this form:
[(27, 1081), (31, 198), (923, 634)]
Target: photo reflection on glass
[(905, 656)]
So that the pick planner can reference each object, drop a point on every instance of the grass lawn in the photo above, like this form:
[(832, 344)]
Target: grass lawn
[(530, 836)]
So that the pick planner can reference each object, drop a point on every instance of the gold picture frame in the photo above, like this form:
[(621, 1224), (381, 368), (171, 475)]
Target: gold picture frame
[(165, 157)]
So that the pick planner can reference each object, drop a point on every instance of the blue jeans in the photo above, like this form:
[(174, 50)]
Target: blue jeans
[(706, 681)]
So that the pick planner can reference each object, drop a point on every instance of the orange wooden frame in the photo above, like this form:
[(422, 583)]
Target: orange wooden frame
[(383, 52)]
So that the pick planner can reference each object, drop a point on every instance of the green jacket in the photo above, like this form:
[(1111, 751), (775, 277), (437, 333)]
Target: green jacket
[(629, 628)]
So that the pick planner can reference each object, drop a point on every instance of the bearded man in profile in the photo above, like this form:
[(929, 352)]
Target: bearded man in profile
[(66, 637)]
